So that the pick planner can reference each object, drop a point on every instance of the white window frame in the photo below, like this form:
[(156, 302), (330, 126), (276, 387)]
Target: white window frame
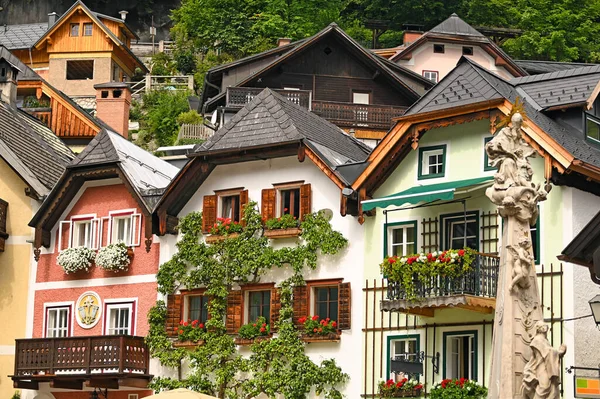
[(358, 97), (404, 244), (95, 222), (432, 76), (135, 223), (450, 355), (85, 25), (129, 303), (54, 306), (86, 224), (425, 161)]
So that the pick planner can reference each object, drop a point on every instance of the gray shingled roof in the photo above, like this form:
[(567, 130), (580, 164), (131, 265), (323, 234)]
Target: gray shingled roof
[(21, 36), (269, 119), (454, 25), (537, 67), (25, 73), (39, 156), (148, 174)]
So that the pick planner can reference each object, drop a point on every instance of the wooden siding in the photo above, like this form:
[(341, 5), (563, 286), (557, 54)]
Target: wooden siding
[(66, 123), (62, 42), (37, 57)]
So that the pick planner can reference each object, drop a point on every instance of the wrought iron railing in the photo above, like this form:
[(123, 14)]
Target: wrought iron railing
[(237, 97), (120, 354), (480, 281), (358, 115)]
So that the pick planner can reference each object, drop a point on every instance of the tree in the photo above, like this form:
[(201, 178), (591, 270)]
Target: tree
[(274, 365)]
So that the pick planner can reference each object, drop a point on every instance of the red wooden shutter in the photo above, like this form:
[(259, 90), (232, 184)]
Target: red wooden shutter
[(209, 212), (275, 307), (305, 200), (344, 306), (233, 319), (243, 202), (300, 304), (173, 314), (267, 203)]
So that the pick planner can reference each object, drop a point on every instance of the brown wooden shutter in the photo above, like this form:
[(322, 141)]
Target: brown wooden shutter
[(233, 319), (174, 303), (267, 203), (209, 212), (344, 306), (300, 304), (305, 200), (275, 307), (243, 202)]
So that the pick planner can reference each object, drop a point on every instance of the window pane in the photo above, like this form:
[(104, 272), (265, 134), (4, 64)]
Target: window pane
[(333, 310), (321, 294), (398, 250), (321, 309), (592, 129), (333, 293), (398, 236), (74, 30), (87, 29), (410, 249)]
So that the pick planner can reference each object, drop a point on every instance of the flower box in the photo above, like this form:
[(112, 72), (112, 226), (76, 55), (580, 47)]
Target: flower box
[(408, 394), (331, 337), (283, 233), (189, 345), (244, 341), (216, 238)]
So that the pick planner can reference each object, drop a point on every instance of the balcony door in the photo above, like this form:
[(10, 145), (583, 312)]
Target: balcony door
[(119, 318), (361, 114), (460, 357), (460, 230), (58, 321)]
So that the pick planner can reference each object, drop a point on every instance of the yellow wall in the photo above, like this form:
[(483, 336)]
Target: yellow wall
[(14, 272)]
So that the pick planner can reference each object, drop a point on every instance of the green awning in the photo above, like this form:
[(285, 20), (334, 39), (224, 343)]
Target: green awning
[(432, 192)]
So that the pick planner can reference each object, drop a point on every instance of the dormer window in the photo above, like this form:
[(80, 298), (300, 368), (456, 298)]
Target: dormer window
[(439, 49), (74, 30), (121, 229), (467, 50), (592, 128), (82, 233)]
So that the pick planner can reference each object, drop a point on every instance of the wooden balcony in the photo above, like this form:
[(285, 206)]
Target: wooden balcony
[(475, 291), (43, 114), (358, 115), (237, 97), (100, 361)]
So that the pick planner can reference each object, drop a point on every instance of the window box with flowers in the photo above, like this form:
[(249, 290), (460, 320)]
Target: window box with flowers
[(224, 228), (425, 268), (76, 259), (114, 257), (404, 388), (315, 330), (459, 388), (249, 333), (189, 334), (284, 226)]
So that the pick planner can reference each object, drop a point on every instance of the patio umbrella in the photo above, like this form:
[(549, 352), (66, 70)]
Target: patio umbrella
[(180, 393)]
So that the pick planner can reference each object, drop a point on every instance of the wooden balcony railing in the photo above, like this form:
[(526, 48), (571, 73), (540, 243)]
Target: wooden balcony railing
[(113, 354), (237, 97), (43, 114), (481, 281), (357, 115)]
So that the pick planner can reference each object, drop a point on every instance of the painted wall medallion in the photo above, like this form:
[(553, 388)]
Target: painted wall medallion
[(88, 309)]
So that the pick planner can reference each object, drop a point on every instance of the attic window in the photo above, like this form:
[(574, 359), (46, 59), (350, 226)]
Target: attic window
[(467, 50), (74, 30), (327, 50), (80, 70), (438, 48), (87, 29)]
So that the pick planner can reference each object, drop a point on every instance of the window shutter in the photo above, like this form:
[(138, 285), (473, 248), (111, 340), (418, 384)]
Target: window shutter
[(300, 304), (267, 204), (101, 240), (275, 307), (209, 212), (173, 314), (243, 202), (95, 231), (233, 319), (344, 306), (305, 200), (65, 230), (136, 229)]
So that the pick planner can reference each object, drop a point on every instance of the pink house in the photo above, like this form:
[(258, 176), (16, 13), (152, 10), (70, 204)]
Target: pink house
[(90, 317)]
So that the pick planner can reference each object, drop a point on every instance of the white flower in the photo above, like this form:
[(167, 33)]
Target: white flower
[(113, 257), (75, 259), (403, 260), (452, 260), (437, 261), (454, 255), (434, 253)]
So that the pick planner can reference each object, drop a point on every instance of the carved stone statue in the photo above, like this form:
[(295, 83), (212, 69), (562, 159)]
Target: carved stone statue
[(521, 264), (541, 374)]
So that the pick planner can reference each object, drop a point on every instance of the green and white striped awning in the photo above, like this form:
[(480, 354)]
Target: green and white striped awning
[(432, 192)]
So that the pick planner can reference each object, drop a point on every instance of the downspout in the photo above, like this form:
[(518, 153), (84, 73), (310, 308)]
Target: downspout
[(30, 58), (207, 83)]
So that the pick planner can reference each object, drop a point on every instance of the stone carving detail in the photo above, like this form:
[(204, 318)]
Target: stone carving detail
[(541, 375), (521, 264)]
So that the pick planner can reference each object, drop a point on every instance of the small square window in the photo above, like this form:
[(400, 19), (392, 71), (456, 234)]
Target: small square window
[(74, 30), (82, 233), (119, 319), (259, 305), (289, 202), (230, 207), (402, 239), (439, 48), (592, 128), (87, 29), (431, 75), (326, 302), (58, 322), (121, 229), (432, 162), (467, 50)]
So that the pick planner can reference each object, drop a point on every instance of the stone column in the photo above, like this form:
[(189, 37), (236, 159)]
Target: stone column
[(524, 365)]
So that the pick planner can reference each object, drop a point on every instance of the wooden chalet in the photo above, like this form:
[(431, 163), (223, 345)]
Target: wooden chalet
[(329, 74)]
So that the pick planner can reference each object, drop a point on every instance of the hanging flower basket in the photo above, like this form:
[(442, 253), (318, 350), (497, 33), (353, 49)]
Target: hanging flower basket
[(114, 257), (283, 233), (76, 259)]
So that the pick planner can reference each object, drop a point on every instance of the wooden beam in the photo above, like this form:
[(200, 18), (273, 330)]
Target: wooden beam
[(67, 384), (134, 382), (110, 383), (20, 384)]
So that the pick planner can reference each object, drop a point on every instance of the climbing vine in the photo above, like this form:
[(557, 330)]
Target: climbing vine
[(278, 366)]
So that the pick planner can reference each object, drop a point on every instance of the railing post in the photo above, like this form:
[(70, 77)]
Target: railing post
[(191, 82), (121, 353), (52, 353), (88, 356), (148, 82)]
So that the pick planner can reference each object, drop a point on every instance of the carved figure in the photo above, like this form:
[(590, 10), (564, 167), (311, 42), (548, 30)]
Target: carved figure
[(521, 264), (541, 375)]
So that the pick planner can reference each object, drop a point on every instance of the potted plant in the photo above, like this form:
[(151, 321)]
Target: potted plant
[(114, 257), (190, 334), (283, 226), (222, 229), (75, 259), (255, 331), (404, 388), (319, 330), (459, 388)]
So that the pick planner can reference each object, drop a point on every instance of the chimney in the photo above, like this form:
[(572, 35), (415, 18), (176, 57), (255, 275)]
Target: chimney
[(283, 41), (410, 36), (8, 82), (52, 19), (113, 100), (123, 14)]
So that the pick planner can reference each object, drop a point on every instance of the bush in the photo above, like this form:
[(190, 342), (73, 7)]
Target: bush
[(158, 116), (191, 117), (75, 259)]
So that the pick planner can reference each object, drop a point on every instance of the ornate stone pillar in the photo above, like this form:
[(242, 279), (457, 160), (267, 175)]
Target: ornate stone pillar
[(524, 365)]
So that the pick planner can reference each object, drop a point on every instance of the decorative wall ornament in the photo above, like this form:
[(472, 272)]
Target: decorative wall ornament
[(524, 365), (89, 308)]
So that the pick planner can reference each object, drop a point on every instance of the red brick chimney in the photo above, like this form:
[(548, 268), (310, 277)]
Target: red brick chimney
[(113, 100), (410, 36)]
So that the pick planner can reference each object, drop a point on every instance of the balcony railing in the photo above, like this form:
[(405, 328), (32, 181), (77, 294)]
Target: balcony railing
[(358, 115), (43, 114), (115, 354), (237, 97), (481, 281)]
